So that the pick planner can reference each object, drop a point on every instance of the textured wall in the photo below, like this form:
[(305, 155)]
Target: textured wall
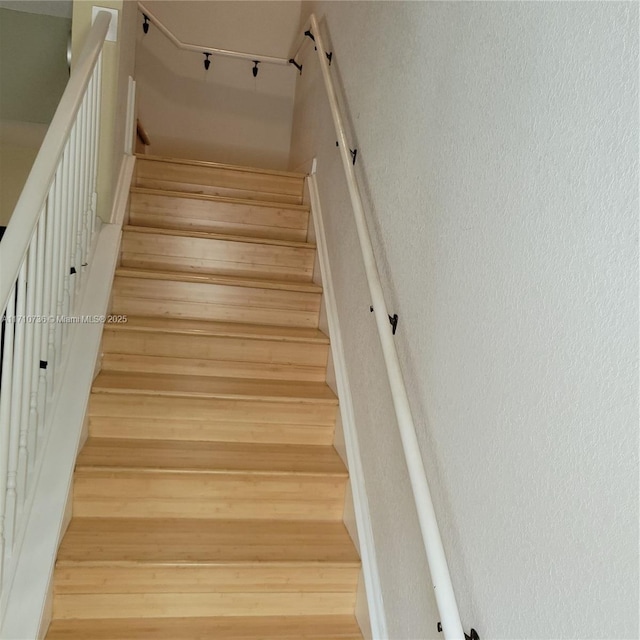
[(498, 151), (223, 114)]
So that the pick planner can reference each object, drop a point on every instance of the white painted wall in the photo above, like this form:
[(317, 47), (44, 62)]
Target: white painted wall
[(498, 153), (223, 114)]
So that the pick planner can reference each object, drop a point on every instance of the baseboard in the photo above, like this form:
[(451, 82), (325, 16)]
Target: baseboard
[(371, 577)]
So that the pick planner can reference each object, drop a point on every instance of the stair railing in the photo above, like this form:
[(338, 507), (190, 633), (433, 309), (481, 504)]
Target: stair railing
[(150, 17), (43, 258), (440, 576)]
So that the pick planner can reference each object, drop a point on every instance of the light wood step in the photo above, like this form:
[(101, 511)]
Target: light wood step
[(206, 367), (219, 349), (141, 416), (151, 479), (329, 627), (309, 393), (111, 555), (212, 297), (178, 326), (182, 541), (218, 179), (190, 605), (214, 457), (233, 216), (202, 576), (197, 252)]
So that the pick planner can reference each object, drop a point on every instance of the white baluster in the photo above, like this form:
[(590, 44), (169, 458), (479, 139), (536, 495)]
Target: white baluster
[(65, 217), (48, 303), (16, 406), (98, 118), (34, 416), (72, 223), (93, 144), (5, 418), (78, 206), (28, 368), (56, 267), (84, 166)]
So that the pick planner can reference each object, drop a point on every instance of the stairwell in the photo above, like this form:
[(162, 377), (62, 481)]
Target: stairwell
[(208, 498)]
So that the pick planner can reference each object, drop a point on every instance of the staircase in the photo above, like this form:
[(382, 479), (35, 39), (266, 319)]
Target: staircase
[(208, 498)]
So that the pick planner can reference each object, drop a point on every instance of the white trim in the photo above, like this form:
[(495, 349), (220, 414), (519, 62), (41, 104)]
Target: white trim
[(356, 473)]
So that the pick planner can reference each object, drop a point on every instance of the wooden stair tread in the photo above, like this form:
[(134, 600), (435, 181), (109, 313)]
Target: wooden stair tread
[(183, 540), (219, 165), (221, 329), (225, 199), (163, 206), (166, 231), (218, 179), (334, 627), (234, 281), (212, 387), (125, 453)]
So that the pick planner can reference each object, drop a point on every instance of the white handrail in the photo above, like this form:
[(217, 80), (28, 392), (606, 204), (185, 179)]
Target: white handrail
[(36, 189), (43, 258), (200, 48), (440, 577)]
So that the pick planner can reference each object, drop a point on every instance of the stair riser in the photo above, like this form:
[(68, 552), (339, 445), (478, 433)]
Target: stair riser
[(208, 431), (215, 348), (256, 578), (206, 301), (207, 255), (113, 494), (189, 214), (225, 627), (230, 412), (199, 367), (185, 605), (218, 180)]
